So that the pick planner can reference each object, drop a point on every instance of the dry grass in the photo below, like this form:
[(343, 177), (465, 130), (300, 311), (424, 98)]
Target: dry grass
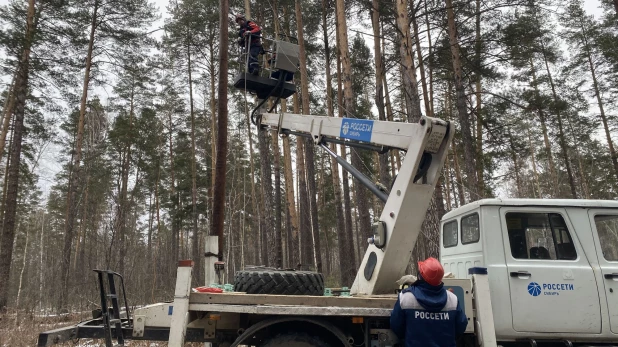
[(19, 329)]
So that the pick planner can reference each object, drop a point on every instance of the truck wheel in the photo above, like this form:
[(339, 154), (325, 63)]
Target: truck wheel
[(295, 340), (279, 282)]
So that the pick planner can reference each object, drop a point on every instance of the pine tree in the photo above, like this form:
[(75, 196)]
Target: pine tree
[(117, 23), (219, 194), (583, 33), (20, 94)]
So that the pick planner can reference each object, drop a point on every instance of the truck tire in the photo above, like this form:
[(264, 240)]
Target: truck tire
[(295, 339), (279, 282)]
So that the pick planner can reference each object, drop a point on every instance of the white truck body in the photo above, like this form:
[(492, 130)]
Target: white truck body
[(552, 264)]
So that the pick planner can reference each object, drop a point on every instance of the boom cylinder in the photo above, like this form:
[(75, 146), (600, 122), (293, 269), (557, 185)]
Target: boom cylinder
[(357, 174)]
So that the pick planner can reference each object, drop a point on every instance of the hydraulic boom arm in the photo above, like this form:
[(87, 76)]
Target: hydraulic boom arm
[(426, 144)]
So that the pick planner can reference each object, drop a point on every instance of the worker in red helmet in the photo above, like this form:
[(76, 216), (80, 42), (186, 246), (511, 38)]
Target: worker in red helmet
[(425, 313), (249, 38)]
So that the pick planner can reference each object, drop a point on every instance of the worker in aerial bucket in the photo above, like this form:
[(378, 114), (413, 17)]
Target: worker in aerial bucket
[(250, 30), (426, 314)]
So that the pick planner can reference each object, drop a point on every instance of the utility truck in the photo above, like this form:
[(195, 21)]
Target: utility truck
[(526, 272), (552, 265)]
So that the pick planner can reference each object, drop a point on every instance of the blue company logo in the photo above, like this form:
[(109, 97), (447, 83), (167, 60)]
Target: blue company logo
[(356, 129), (534, 289), (550, 289), (345, 128)]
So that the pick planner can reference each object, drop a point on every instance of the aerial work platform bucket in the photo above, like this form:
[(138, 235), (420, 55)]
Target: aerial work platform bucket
[(276, 74), (263, 86)]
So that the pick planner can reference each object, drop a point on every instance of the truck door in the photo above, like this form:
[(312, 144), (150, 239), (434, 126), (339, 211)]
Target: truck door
[(551, 282), (605, 226)]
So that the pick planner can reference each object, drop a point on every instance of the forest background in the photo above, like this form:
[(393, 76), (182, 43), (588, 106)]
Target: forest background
[(108, 130)]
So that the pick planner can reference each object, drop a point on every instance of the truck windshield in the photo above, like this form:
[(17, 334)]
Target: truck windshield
[(607, 227)]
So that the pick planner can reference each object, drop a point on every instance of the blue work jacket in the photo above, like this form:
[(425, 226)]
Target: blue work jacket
[(428, 316)]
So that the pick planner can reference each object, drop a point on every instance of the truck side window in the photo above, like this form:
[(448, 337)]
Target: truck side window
[(449, 234), (607, 227), (470, 231), (539, 236)]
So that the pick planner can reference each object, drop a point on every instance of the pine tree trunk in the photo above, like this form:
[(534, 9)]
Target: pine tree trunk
[(20, 94), (480, 167), (23, 268), (447, 176), (464, 119), (72, 200), (213, 122), (151, 217), (5, 181), (362, 200), (278, 250), (196, 239), (218, 205), (597, 93), (421, 65), (7, 114), (81, 238), (396, 165), (550, 157), (10, 205), (257, 212), (248, 8), (430, 44), (152, 259), (516, 168), (306, 244), (582, 173), (174, 210), (293, 251), (375, 23), (460, 187), (243, 228), (454, 188), (410, 83), (561, 135), (268, 239), (534, 170), (457, 182), (123, 207), (342, 240), (355, 237), (309, 148), (352, 262), (348, 263), (431, 224), (41, 271), (289, 248), (171, 141), (275, 9)]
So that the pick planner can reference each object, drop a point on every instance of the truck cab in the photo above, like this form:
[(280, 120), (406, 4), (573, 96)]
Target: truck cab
[(552, 264)]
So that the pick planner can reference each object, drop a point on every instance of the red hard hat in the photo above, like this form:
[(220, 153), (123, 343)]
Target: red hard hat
[(431, 270)]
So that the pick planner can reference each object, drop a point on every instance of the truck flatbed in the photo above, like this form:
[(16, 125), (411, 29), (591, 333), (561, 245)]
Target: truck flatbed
[(238, 302)]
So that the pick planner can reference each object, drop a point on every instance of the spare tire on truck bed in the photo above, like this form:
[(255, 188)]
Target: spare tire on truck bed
[(271, 281)]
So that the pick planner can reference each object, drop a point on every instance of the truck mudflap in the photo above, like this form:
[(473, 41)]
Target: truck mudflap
[(95, 329)]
